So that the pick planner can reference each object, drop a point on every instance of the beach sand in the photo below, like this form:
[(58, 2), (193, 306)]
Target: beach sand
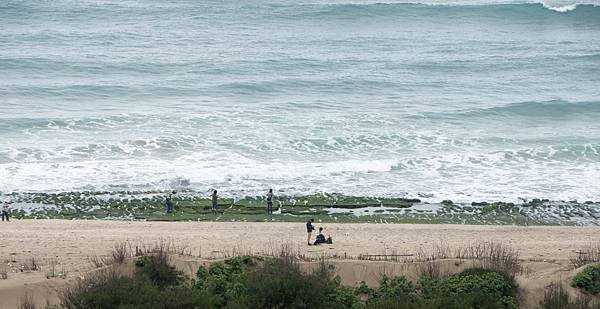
[(544, 250)]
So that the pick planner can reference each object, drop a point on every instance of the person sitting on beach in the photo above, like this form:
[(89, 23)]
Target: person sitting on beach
[(310, 228), (270, 202), (215, 199), (6, 210), (321, 238)]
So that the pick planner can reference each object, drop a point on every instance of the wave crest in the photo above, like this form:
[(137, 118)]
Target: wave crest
[(561, 9)]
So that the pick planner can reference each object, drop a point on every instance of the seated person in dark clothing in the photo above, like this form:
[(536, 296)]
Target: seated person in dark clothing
[(321, 238)]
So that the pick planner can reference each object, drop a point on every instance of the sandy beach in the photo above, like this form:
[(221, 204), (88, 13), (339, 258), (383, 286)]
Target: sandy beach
[(544, 250)]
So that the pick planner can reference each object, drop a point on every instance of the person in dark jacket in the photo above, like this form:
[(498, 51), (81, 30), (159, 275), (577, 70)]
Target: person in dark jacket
[(270, 202), (320, 237), (309, 229), (169, 203), (215, 199), (6, 210)]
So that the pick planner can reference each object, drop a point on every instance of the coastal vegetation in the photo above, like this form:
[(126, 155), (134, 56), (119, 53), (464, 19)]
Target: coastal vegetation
[(588, 279), (255, 282), (151, 276)]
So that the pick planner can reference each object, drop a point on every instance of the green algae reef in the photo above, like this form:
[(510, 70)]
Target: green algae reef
[(191, 206)]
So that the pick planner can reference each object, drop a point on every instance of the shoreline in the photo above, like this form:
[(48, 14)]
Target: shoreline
[(193, 206)]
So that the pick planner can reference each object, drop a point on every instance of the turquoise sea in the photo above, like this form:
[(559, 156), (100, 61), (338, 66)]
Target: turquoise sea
[(462, 100)]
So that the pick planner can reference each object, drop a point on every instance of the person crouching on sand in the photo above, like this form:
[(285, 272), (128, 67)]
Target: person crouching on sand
[(215, 199), (310, 228)]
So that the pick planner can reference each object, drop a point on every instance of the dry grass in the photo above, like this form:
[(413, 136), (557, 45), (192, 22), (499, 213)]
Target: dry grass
[(27, 302), (69, 297), (276, 250), (3, 273), (120, 252), (428, 265), (32, 264), (493, 255), (53, 271), (125, 250), (430, 269), (557, 297), (588, 255)]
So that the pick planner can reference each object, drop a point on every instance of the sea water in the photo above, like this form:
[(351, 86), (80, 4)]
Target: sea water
[(462, 100)]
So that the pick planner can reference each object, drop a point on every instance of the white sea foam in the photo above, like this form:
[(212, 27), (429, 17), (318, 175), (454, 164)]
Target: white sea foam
[(559, 8), (453, 176)]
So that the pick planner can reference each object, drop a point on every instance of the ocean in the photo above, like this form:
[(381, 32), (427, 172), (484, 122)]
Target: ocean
[(462, 100)]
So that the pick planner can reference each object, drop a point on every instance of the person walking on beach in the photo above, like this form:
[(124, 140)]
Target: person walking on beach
[(215, 199), (270, 202), (309, 229), (6, 210)]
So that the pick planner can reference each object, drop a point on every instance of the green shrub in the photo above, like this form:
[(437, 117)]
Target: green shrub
[(158, 271), (477, 288), (473, 288), (221, 278), (276, 283), (588, 279), (364, 289), (478, 280), (246, 282), (110, 290), (396, 287)]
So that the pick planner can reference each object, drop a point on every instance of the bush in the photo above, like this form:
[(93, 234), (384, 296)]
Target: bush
[(126, 292), (395, 292), (477, 288), (158, 271), (473, 288), (588, 279), (154, 284), (478, 280), (364, 289), (276, 283), (221, 278), (246, 282)]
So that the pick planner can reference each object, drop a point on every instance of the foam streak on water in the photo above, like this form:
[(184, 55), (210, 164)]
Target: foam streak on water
[(461, 100)]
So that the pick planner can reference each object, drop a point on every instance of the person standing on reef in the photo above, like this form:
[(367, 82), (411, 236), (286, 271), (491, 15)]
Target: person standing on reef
[(6, 210), (169, 203), (309, 229), (270, 202), (215, 199)]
